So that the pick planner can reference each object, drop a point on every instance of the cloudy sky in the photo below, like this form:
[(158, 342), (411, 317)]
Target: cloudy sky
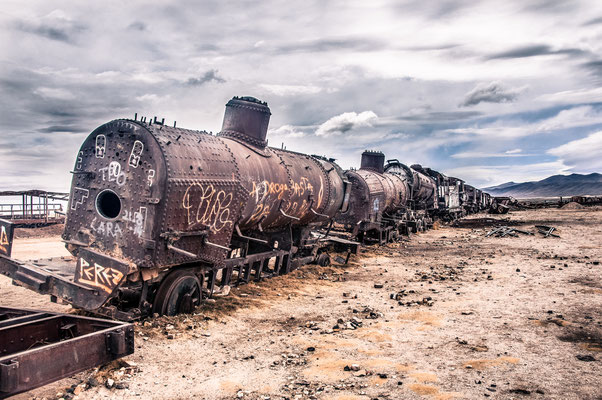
[(487, 91)]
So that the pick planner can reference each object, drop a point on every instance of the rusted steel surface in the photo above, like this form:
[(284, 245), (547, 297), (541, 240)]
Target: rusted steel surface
[(450, 193), (37, 348), (147, 199), (373, 161), (378, 201), (370, 194), (160, 217), (423, 187), (7, 231), (470, 203)]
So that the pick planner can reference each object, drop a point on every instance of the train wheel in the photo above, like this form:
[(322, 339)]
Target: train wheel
[(323, 260), (180, 292)]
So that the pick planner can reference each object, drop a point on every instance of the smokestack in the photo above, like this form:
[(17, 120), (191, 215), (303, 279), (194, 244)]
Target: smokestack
[(246, 119), (373, 161)]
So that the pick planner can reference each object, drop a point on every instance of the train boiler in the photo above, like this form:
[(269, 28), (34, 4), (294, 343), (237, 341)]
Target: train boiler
[(374, 198), (449, 193), (471, 202), (422, 201), (160, 217)]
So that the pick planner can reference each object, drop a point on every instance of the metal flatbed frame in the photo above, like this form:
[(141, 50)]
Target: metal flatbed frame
[(38, 347)]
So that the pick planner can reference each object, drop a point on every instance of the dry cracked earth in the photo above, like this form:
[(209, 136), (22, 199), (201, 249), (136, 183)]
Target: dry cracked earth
[(447, 314)]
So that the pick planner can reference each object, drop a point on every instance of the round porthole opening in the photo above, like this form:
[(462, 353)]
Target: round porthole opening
[(108, 204)]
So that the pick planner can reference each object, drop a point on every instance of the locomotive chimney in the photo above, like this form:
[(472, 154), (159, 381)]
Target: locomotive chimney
[(246, 119), (373, 160)]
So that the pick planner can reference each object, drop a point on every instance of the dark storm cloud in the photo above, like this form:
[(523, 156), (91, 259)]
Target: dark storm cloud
[(552, 6), (594, 67), (442, 116), (30, 103), (433, 10), (432, 47), (534, 51), (62, 31), (332, 44), (137, 26), (62, 129), (493, 92), (446, 8), (594, 21), (207, 47), (209, 76)]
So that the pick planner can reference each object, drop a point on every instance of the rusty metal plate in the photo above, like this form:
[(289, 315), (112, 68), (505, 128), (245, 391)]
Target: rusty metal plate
[(99, 271), (38, 348), (6, 237)]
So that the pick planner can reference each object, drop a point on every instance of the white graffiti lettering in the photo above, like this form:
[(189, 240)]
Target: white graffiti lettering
[(101, 146), (150, 177), (113, 173), (136, 153), (80, 160), (108, 229), (78, 197), (96, 275), (212, 206), (136, 221)]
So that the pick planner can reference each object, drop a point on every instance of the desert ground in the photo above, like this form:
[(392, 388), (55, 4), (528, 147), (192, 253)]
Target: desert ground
[(446, 314)]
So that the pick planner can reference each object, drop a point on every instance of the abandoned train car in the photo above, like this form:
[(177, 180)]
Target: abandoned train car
[(161, 217)]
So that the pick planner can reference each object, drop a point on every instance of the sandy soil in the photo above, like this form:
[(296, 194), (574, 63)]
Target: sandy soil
[(458, 316), (31, 248)]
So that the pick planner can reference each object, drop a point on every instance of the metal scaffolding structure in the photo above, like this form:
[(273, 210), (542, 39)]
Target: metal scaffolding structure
[(35, 208)]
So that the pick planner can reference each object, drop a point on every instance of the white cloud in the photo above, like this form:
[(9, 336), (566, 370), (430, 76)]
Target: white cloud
[(291, 90), (346, 122), (574, 96), (286, 131), (149, 98), (581, 154), (476, 154), (575, 117), (54, 93), (571, 118)]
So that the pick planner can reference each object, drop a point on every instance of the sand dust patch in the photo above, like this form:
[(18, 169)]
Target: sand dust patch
[(328, 366), (377, 380), (371, 353), (373, 335), (485, 363), (432, 391), (428, 319), (230, 387), (424, 377)]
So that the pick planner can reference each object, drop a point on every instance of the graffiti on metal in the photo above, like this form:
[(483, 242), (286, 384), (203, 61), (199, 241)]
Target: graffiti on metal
[(208, 206), (94, 274), (4, 241)]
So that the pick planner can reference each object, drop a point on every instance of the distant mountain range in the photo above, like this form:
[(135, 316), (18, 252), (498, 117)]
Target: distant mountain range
[(556, 185)]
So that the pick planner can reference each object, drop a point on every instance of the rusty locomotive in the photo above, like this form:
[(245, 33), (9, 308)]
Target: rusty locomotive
[(392, 199), (161, 217)]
